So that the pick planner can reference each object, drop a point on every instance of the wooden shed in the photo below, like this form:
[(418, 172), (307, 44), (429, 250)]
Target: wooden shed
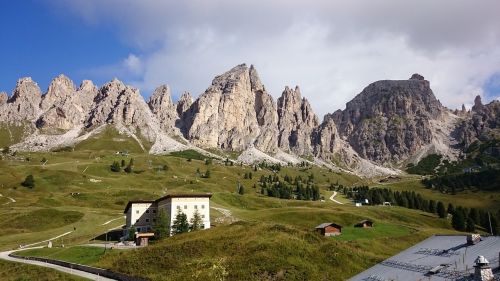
[(329, 229), (364, 224), (142, 239)]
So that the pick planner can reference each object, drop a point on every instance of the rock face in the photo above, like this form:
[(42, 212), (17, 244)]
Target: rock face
[(124, 107), (65, 107), (390, 120), (163, 108), (3, 98), (225, 116), (296, 122), (388, 123), (24, 104), (482, 125)]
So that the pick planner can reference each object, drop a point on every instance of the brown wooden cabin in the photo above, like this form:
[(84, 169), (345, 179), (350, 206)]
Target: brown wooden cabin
[(364, 224), (142, 239), (329, 229)]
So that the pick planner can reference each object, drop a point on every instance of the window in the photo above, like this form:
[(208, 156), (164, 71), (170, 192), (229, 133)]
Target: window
[(178, 207), (154, 211), (136, 211), (147, 211), (203, 216), (147, 220), (185, 207), (202, 226), (203, 206), (196, 206), (154, 220), (137, 220), (138, 229)]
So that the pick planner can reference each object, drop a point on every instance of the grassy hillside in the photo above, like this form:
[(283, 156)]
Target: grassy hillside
[(12, 271), (273, 238)]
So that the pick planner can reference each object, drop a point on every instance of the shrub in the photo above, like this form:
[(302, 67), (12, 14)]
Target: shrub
[(29, 182)]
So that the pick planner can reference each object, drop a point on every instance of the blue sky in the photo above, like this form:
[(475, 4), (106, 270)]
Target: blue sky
[(332, 49), (41, 41)]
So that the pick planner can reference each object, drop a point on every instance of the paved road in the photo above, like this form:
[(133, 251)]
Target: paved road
[(5, 256), (333, 196)]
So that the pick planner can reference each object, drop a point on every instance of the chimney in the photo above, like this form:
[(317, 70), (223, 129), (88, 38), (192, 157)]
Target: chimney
[(482, 270)]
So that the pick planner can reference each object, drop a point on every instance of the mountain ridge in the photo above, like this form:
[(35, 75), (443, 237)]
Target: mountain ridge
[(388, 124)]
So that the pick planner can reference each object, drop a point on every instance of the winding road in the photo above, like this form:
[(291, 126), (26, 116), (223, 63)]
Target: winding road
[(333, 196), (5, 256)]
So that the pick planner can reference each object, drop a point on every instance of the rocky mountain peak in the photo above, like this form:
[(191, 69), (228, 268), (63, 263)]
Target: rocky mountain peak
[(417, 76), (478, 104), (59, 89), (162, 107), (87, 86), (225, 115), (296, 122), (26, 89), (184, 103), (390, 119)]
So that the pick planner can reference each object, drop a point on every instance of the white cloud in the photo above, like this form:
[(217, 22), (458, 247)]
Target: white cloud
[(332, 49)]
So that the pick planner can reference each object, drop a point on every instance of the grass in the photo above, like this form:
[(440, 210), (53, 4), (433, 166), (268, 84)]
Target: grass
[(36, 220), (76, 191), (351, 233), (78, 254), (13, 271)]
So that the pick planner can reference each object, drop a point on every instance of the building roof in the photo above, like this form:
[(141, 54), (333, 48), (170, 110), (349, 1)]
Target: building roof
[(178, 195), (129, 204), (185, 195), (323, 225), (144, 234), (452, 252)]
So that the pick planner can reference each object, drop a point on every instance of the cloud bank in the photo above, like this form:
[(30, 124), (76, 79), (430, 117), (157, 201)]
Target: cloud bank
[(331, 49)]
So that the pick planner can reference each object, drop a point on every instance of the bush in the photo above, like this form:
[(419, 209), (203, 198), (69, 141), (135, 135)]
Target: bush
[(29, 182), (115, 167)]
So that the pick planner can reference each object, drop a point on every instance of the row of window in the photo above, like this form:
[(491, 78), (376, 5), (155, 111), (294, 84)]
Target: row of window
[(186, 206), (154, 220), (178, 208)]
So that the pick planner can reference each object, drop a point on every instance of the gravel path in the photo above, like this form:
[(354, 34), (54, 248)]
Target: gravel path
[(333, 196)]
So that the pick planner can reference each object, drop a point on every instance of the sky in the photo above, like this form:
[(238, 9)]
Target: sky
[(331, 49)]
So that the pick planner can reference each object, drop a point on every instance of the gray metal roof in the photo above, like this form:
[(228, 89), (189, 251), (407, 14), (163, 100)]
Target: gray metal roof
[(415, 262), (323, 225)]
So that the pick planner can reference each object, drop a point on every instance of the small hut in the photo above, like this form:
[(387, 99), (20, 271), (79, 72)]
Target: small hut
[(329, 229), (142, 239), (364, 224)]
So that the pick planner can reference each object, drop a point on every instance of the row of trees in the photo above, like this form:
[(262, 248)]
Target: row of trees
[(463, 219), (483, 180), (163, 229), (288, 188)]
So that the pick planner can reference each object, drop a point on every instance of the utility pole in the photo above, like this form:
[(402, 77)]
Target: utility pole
[(489, 219)]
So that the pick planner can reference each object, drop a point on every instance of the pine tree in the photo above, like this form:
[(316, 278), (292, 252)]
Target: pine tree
[(196, 221), (29, 182), (131, 234), (123, 163), (474, 215), (129, 167), (458, 220), (115, 167), (162, 226), (450, 209), (432, 206), (441, 210), (241, 190), (470, 226), (180, 224)]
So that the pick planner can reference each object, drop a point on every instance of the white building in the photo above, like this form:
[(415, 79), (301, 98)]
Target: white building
[(142, 215)]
